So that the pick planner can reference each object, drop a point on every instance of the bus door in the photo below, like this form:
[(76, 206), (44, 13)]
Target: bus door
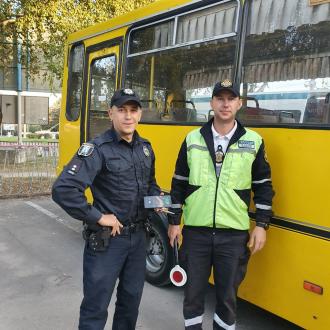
[(103, 73)]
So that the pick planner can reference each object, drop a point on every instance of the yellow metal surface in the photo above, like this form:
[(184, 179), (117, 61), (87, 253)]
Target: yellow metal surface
[(300, 171), (275, 278)]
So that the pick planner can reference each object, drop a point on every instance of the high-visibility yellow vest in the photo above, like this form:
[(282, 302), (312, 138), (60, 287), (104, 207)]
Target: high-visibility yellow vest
[(216, 203)]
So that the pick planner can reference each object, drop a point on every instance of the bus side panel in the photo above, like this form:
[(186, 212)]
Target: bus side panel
[(300, 173), (276, 275)]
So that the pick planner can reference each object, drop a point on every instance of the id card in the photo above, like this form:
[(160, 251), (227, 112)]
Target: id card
[(151, 202)]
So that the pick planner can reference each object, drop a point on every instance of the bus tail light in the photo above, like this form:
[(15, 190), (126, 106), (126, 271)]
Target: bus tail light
[(313, 287)]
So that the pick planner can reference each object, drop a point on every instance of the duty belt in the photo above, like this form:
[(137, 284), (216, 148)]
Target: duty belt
[(99, 240), (133, 227)]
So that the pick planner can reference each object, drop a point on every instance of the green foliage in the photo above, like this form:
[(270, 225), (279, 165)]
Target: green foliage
[(43, 27)]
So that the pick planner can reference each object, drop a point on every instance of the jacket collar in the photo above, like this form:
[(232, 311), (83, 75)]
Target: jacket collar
[(116, 137), (111, 135)]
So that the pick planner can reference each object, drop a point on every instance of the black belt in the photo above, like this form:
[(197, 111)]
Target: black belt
[(105, 232), (133, 227)]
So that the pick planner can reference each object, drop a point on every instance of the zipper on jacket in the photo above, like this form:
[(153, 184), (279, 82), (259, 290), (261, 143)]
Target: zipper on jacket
[(216, 188), (215, 199)]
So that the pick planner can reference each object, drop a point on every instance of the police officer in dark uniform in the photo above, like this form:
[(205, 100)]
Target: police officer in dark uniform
[(119, 168)]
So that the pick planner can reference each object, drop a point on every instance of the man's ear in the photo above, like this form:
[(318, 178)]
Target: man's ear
[(110, 111), (140, 114), (240, 103)]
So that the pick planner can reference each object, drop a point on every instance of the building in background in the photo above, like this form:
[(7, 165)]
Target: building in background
[(24, 95)]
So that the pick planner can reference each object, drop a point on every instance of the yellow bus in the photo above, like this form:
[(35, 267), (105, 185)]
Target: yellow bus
[(172, 52)]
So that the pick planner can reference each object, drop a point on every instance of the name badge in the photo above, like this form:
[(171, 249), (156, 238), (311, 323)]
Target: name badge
[(246, 144)]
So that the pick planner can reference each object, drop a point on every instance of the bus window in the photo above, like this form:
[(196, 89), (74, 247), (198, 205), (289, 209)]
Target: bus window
[(173, 67), (284, 62), (317, 110), (76, 64), (102, 85)]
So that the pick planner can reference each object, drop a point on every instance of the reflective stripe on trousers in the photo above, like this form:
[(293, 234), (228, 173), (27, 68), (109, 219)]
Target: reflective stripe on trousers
[(222, 324)]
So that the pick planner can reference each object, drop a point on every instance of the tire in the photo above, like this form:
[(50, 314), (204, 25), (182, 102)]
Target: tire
[(160, 258)]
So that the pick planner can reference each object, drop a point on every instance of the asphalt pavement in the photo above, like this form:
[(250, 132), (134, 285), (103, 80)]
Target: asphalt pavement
[(41, 277)]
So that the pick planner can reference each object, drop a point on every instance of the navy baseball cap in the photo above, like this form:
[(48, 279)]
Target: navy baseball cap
[(122, 96), (226, 85)]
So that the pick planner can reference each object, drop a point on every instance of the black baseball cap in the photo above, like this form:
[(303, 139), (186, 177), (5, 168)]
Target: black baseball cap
[(226, 85), (124, 95)]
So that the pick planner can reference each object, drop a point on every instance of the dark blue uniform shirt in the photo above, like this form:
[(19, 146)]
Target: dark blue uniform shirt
[(119, 175)]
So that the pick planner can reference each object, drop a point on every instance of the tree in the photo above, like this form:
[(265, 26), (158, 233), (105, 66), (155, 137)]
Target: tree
[(43, 26)]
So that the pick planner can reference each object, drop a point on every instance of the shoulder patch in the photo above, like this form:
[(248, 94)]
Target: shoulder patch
[(143, 140), (86, 149), (146, 151)]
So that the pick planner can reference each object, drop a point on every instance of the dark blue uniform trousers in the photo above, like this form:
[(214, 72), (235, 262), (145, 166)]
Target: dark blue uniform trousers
[(125, 259), (226, 251)]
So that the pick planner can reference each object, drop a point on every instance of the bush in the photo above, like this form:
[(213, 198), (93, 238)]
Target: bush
[(34, 128), (32, 136)]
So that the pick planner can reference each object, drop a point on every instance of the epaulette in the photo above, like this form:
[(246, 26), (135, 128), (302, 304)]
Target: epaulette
[(145, 141), (101, 139)]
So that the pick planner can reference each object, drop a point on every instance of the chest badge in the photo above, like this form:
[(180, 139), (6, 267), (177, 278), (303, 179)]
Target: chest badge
[(86, 149), (146, 151), (219, 155)]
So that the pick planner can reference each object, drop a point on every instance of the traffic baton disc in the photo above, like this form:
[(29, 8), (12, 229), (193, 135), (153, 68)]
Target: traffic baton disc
[(178, 276)]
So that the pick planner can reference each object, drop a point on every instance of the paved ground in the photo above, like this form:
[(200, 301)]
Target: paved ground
[(40, 282)]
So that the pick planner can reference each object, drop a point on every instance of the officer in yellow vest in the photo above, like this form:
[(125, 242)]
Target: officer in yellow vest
[(217, 167)]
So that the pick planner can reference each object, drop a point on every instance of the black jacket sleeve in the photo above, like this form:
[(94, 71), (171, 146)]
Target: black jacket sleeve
[(262, 186), (154, 189), (180, 184), (69, 189)]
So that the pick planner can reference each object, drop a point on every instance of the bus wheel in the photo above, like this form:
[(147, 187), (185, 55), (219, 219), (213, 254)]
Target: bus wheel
[(160, 259)]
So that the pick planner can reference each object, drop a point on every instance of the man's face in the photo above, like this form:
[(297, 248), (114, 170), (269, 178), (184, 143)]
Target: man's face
[(225, 106), (125, 118)]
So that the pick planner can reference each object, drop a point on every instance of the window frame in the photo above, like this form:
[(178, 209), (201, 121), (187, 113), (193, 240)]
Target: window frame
[(174, 37), (116, 56), (68, 112)]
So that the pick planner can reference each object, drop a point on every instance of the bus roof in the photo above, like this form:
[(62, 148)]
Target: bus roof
[(157, 7)]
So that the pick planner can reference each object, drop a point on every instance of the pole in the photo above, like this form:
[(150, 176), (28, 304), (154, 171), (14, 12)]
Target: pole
[(19, 91)]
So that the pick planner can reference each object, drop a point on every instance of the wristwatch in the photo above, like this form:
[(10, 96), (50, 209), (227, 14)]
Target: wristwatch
[(264, 225)]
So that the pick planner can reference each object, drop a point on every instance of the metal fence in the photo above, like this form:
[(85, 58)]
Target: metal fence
[(27, 169)]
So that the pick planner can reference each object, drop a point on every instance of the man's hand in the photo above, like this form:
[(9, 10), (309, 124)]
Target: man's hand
[(174, 232), (110, 220), (257, 239)]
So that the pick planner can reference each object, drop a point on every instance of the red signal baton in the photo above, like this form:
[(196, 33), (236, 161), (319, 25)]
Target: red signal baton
[(178, 275)]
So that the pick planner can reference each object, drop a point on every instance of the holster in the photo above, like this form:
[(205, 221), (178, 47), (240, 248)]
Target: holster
[(97, 240)]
